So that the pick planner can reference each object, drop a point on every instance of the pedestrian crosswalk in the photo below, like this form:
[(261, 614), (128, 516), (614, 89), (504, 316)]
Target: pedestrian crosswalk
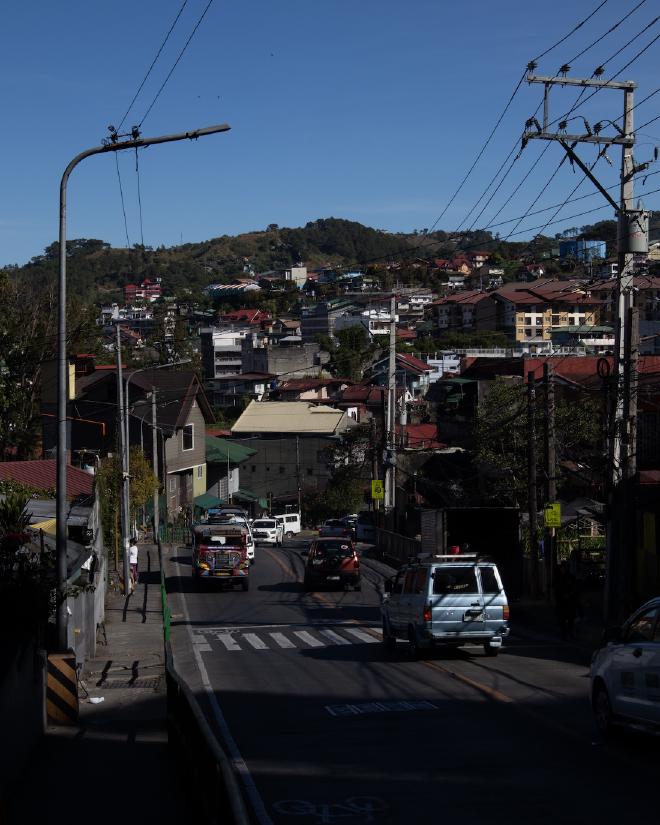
[(284, 637)]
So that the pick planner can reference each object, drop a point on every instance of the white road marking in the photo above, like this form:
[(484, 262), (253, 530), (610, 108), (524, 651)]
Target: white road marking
[(361, 635), (308, 638), (281, 640), (335, 638), (228, 641), (255, 641), (262, 815)]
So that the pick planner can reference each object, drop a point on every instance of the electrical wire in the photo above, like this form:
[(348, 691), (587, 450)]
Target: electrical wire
[(121, 194), (153, 63), (139, 195), (605, 34), (176, 62)]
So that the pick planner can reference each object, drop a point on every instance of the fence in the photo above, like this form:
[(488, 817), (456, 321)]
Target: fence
[(395, 547), (200, 756), (174, 534)]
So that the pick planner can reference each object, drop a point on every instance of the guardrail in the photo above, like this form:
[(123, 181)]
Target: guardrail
[(210, 774)]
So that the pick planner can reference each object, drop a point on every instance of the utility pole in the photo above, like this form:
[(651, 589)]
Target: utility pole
[(550, 477), (532, 504), (374, 458), (298, 474), (631, 238), (123, 448), (114, 144), (154, 453), (390, 469)]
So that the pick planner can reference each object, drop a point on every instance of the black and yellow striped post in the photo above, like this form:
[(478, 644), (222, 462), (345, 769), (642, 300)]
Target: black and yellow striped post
[(62, 689)]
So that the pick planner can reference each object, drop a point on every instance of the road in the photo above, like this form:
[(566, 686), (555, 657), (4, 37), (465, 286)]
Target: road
[(326, 727)]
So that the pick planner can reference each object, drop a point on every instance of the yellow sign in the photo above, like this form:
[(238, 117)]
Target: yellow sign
[(552, 515), (377, 490)]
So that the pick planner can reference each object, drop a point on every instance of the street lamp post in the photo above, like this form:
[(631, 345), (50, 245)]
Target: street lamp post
[(114, 145)]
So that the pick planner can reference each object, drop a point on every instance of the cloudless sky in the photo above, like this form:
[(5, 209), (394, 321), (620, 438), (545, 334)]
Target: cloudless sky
[(371, 110)]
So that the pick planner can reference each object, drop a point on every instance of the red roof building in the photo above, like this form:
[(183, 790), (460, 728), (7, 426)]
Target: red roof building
[(41, 475)]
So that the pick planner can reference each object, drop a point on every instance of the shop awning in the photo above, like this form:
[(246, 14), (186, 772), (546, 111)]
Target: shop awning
[(221, 450), (248, 497), (206, 501)]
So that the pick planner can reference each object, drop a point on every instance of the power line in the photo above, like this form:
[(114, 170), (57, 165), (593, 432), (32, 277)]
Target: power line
[(137, 174), (121, 193), (176, 62), (506, 108), (609, 31), (153, 63)]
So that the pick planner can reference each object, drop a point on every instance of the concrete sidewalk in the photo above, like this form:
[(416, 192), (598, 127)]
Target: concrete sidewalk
[(116, 763)]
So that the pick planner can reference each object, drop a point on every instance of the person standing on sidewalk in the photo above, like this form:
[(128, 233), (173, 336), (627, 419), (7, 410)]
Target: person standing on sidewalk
[(567, 600), (133, 561)]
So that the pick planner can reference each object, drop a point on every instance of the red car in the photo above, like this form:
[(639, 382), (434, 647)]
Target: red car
[(332, 561)]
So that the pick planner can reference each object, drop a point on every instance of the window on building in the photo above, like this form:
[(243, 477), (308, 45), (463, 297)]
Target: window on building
[(172, 484), (200, 471), (253, 468), (188, 437)]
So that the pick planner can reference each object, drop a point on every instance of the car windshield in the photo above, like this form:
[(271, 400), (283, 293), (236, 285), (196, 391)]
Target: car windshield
[(264, 524), (334, 548), (459, 580)]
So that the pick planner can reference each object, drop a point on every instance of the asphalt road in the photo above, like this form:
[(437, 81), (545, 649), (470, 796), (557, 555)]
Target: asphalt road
[(326, 727)]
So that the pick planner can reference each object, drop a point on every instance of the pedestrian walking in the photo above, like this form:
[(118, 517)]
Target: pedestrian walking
[(133, 561), (567, 600)]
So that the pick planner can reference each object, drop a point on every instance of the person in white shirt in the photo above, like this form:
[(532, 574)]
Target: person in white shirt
[(133, 561)]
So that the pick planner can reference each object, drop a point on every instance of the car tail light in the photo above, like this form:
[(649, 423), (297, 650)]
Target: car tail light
[(356, 563), (505, 612), (428, 613)]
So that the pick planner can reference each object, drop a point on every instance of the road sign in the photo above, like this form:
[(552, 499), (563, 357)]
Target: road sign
[(552, 515), (377, 490)]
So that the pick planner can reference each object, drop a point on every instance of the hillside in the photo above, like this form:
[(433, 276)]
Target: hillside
[(97, 271)]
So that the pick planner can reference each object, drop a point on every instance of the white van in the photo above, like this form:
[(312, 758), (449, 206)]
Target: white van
[(290, 523)]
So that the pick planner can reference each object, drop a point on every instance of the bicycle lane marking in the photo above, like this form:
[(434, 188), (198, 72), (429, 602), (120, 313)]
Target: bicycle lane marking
[(240, 765)]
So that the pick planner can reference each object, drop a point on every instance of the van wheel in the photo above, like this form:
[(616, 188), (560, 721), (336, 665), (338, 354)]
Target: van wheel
[(413, 644), (490, 650), (289, 534)]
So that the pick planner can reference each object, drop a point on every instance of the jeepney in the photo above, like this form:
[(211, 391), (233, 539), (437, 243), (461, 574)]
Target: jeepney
[(219, 552)]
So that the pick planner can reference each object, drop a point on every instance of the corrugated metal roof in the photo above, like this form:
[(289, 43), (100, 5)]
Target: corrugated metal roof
[(41, 475), (290, 417)]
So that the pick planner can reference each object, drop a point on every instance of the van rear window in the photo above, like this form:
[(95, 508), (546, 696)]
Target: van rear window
[(489, 581), (458, 580)]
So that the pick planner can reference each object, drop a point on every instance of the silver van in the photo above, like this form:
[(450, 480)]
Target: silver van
[(446, 600)]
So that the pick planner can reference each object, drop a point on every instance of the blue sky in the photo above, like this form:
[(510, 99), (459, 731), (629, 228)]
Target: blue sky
[(370, 110)]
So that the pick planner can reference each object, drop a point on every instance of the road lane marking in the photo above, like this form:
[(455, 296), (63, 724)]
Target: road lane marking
[(281, 640), (308, 638), (335, 638), (492, 693), (389, 706), (361, 635), (228, 641), (240, 765), (255, 641)]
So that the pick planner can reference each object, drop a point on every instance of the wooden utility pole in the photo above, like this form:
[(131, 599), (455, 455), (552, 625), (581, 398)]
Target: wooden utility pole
[(154, 461), (532, 505), (632, 237)]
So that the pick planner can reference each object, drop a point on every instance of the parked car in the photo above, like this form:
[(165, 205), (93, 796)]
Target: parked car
[(447, 600), (335, 527), (267, 531), (625, 672), (332, 561)]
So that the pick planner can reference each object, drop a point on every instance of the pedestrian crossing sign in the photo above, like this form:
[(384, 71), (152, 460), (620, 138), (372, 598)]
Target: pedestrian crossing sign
[(377, 490), (552, 515)]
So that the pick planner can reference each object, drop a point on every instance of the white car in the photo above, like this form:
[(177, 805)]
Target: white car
[(625, 672), (267, 531)]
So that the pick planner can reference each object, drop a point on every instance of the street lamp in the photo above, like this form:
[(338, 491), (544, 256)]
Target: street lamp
[(114, 145)]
